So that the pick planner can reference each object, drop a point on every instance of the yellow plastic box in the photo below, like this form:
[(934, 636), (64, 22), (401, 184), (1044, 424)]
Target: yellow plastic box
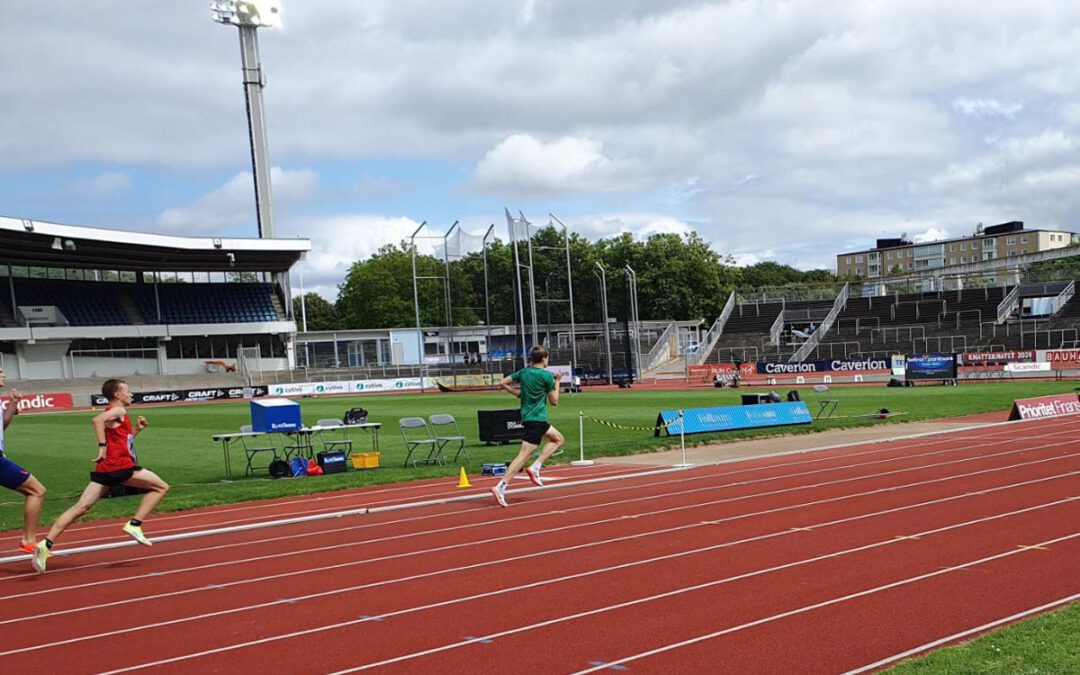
[(365, 460)]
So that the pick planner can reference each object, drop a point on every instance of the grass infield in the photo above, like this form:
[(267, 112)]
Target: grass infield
[(1048, 644), (58, 448)]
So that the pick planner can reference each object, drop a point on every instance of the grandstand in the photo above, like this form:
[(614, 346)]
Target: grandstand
[(83, 302), (977, 317)]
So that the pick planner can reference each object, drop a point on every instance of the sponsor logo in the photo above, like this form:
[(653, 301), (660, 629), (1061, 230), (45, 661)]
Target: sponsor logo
[(41, 402), (1068, 355), (1047, 406)]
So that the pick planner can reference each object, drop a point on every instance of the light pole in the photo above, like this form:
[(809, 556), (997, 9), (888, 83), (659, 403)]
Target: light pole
[(249, 16)]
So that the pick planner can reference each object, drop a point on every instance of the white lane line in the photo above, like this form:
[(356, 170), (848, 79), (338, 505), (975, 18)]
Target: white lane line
[(484, 496), (810, 608), (1051, 424), (305, 551), (641, 535), (963, 634), (571, 617), (360, 495), (636, 486)]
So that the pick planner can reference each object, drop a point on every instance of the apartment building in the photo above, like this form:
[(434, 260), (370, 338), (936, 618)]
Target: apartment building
[(901, 256)]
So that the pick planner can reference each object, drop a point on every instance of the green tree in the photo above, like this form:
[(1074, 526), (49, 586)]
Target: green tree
[(321, 314)]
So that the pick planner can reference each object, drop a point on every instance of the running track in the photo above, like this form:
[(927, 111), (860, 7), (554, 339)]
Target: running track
[(825, 562)]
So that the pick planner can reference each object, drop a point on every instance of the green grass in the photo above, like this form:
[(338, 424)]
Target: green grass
[(58, 449), (1045, 645)]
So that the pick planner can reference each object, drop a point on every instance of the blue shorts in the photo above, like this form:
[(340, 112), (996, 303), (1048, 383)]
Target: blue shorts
[(11, 474)]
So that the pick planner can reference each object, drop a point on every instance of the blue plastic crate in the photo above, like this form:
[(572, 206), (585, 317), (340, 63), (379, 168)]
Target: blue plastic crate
[(496, 469)]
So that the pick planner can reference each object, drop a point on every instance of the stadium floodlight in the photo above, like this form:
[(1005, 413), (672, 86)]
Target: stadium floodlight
[(248, 16), (256, 13)]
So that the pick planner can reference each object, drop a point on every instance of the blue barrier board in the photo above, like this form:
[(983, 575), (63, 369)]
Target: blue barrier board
[(731, 418)]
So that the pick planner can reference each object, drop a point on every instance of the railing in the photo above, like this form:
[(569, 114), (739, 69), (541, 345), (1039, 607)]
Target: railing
[(961, 313), (1008, 304), (745, 355), (1063, 297), (858, 322), (715, 331), (833, 346), (661, 351), (1034, 336), (939, 342), (838, 305), (776, 329), (895, 331)]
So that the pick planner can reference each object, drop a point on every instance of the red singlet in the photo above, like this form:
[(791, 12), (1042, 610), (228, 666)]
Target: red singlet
[(119, 447)]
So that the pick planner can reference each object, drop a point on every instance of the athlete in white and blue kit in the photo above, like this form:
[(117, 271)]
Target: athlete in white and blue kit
[(14, 477)]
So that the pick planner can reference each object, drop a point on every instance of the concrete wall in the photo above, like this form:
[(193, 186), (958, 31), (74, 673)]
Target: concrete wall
[(104, 367)]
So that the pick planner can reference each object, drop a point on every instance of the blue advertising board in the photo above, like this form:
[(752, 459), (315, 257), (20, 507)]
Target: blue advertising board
[(730, 418), (931, 367)]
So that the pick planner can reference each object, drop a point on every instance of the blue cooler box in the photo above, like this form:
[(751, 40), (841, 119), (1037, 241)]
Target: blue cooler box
[(275, 414)]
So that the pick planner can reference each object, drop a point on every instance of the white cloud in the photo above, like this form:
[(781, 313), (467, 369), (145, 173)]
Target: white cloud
[(986, 107), (340, 240), (102, 184), (932, 234), (524, 165), (234, 202)]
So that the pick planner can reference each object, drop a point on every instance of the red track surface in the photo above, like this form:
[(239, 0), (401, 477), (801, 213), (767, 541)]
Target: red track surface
[(820, 562)]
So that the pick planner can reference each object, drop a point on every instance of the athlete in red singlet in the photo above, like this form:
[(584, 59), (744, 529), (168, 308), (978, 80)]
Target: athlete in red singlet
[(115, 465)]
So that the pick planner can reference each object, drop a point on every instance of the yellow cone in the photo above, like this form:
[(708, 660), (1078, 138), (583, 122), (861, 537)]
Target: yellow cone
[(463, 479)]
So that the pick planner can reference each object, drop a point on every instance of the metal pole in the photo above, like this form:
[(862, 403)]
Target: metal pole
[(487, 300), (446, 291), (581, 441), (570, 294), (303, 300), (532, 281), (602, 276), (682, 441), (517, 278), (416, 304), (254, 82), (547, 296)]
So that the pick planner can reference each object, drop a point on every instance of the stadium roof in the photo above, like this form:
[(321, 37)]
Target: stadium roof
[(38, 244)]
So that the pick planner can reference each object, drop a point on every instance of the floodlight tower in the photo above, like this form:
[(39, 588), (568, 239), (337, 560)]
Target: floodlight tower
[(249, 16)]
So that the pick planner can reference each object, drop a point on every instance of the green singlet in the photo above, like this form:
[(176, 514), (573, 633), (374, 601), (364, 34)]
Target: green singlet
[(535, 383)]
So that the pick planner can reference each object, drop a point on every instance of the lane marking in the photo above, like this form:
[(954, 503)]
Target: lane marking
[(536, 584), (963, 634), (1066, 421), (808, 608), (229, 563)]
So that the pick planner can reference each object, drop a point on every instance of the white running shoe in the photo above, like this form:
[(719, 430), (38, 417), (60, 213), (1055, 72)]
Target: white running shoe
[(40, 557), (136, 532), (499, 492), (534, 475)]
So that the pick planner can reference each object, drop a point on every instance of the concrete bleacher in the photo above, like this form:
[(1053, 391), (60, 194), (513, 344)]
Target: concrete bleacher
[(954, 320)]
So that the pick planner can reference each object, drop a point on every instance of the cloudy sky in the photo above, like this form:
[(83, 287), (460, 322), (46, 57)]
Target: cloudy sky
[(784, 130)]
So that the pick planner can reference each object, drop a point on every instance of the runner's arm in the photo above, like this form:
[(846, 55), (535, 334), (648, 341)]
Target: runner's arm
[(12, 408), (507, 386), (99, 427), (553, 395)]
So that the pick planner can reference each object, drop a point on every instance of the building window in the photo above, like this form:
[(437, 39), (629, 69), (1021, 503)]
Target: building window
[(1024, 239), (888, 256), (974, 245), (988, 255), (963, 246), (910, 252), (963, 260), (1012, 241), (952, 260), (952, 248), (858, 258), (911, 266), (849, 260), (1023, 251), (1012, 254), (990, 243)]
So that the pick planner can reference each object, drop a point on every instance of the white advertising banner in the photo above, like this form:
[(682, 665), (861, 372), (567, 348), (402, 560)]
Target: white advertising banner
[(345, 387), (1027, 367)]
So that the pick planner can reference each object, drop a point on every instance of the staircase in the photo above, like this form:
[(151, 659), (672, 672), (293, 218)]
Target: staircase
[(134, 316)]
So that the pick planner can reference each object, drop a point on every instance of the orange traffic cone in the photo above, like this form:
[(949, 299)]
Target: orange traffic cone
[(463, 479)]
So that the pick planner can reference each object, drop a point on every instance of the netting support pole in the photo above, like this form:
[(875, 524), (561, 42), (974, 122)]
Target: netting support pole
[(581, 442), (682, 441)]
